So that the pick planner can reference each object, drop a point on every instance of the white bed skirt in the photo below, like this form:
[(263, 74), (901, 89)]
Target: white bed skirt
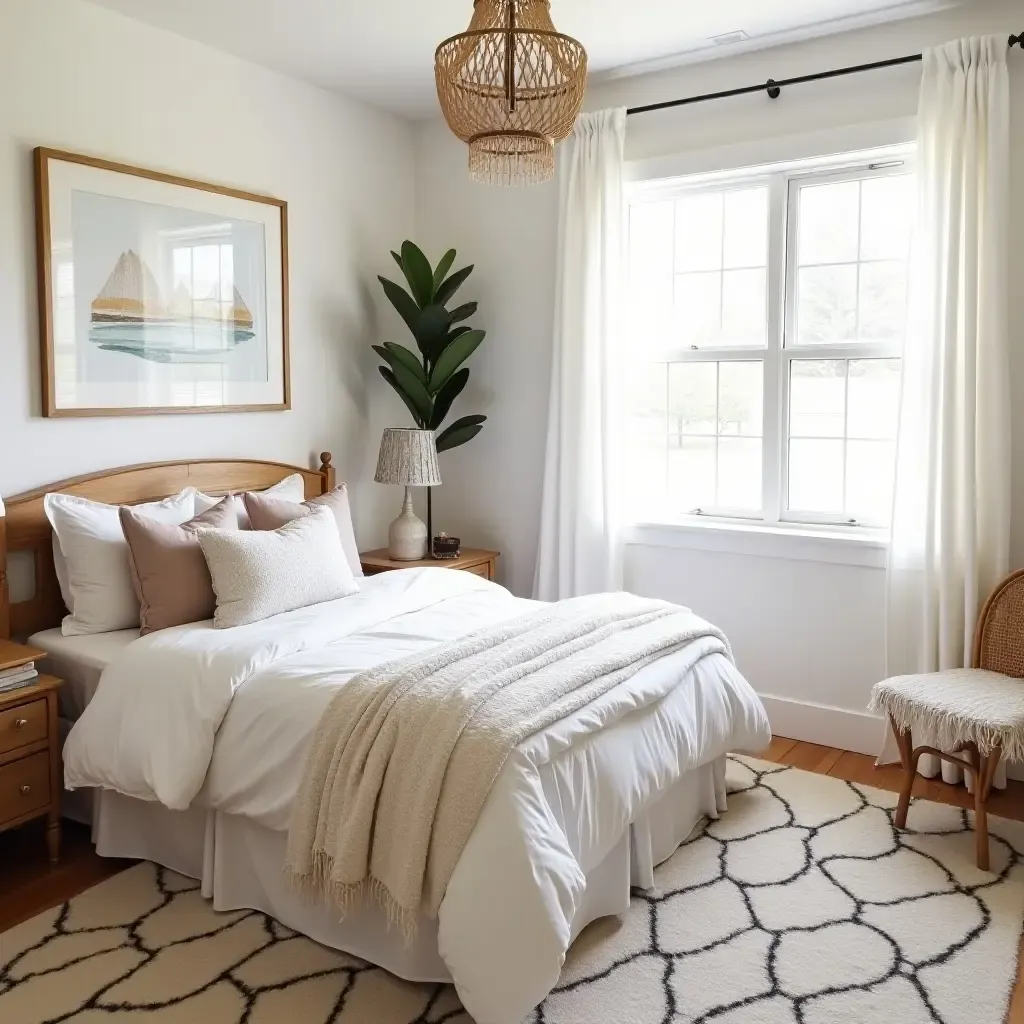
[(239, 865)]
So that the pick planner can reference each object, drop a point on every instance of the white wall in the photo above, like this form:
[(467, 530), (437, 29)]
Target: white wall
[(78, 77), (804, 631)]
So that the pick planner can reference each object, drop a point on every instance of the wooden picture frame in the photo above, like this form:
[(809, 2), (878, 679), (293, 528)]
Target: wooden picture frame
[(195, 322)]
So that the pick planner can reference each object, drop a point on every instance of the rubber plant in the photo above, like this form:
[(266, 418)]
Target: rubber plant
[(430, 379)]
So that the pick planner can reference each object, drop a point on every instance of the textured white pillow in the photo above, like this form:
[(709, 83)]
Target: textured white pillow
[(291, 488), (90, 557), (259, 573)]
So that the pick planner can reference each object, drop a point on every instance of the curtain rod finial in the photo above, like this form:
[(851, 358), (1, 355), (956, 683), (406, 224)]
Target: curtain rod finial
[(1017, 41)]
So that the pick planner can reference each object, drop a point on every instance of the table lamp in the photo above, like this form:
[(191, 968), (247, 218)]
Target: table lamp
[(407, 457)]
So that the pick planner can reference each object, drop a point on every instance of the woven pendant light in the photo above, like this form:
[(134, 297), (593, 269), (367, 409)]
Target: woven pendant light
[(511, 87)]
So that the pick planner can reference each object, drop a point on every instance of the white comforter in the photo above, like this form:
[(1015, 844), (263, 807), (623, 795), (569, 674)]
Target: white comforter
[(223, 718)]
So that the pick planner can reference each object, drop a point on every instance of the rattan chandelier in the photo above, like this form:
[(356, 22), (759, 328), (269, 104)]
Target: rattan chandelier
[(511, 87)]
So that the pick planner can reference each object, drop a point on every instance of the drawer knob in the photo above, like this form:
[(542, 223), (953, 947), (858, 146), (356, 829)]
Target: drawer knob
[(26, 789), (20, 723)]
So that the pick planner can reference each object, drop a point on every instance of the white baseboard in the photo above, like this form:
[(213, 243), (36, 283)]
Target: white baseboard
[(819, 723), (858, 731)]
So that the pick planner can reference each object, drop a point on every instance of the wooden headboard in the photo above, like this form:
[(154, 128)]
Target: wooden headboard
[(25, 527)]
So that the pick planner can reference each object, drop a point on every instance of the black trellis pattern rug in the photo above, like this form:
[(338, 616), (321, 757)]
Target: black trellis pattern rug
[(801, 905)]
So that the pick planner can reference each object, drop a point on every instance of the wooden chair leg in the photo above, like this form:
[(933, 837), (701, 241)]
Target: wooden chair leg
[(981, 814), (905, 742), (987, 764)]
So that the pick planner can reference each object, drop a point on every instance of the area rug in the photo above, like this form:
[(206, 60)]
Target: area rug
[(801, 905)]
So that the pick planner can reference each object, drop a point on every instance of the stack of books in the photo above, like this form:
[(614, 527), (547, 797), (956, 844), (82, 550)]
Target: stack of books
[(20, 675)]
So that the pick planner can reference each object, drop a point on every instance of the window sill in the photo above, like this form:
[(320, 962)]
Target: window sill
[(793, 541)]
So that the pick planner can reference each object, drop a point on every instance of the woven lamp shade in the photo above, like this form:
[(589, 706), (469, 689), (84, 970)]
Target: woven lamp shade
[(511, 87), (408, 457)]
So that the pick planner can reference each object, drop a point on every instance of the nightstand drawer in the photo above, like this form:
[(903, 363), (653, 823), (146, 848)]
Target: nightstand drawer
[(22, 725), (24, 786), (480, 570)]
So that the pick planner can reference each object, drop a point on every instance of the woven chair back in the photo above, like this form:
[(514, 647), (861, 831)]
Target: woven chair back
[(999, 640)]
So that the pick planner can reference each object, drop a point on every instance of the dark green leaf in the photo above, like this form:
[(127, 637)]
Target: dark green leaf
[(453, 356), (457, 435), (392, 353), (389, 376), (445, 291), (464, 312), (417, 393), (403, 302), (444, 398), (431, 330), (464, 421), (410, 359), (418, 273), (443, 267), (458, 332), (398, 260)]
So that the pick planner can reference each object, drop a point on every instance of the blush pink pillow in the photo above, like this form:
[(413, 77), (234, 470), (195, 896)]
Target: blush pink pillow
[(169, 572), (269, 513)]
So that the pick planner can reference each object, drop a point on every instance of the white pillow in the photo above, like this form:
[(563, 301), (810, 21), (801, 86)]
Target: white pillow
[(259, 573), (291, 488), (90, 557)]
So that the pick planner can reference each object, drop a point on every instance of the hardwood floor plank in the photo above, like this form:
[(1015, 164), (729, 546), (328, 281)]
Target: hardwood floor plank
[(861, 768), (29, 884), (779, 747), (806, 756), (828, 762)]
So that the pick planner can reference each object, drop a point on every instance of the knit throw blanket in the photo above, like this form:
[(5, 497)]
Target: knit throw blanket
[(406, 754)]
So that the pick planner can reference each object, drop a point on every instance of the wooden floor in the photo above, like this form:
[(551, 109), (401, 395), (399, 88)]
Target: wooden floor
[(29, 885)]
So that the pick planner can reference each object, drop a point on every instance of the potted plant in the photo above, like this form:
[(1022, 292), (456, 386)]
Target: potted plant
[(430, 379)]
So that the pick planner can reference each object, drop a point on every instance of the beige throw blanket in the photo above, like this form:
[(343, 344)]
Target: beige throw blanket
[(406, 754)]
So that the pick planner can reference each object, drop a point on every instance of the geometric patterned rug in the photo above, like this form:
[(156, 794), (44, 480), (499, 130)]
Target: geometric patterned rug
[(801, 905)]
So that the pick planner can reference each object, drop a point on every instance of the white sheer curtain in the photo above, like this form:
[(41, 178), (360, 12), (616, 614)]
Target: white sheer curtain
[(951, 523), (580, 548)]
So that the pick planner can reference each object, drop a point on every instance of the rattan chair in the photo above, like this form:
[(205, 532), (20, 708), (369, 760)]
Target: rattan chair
[(976, 713)]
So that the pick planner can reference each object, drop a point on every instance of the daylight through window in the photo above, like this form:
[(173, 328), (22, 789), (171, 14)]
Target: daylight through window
[(766, 323)]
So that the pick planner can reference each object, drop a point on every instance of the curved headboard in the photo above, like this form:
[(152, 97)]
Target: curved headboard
[(25, 528)]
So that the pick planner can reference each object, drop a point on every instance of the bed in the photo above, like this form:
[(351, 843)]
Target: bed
[(574, 821)]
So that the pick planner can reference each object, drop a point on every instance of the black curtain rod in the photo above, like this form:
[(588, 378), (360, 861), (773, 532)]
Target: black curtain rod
[(774, 88)]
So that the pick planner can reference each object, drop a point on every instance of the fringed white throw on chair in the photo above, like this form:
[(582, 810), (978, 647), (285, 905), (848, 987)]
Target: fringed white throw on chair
[(958, 708)]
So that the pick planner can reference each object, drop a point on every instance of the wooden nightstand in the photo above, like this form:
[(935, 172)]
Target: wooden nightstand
[(30, 765), (474, 560)]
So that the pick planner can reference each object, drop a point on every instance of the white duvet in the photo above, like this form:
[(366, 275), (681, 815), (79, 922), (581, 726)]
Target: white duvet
[(223, 719)]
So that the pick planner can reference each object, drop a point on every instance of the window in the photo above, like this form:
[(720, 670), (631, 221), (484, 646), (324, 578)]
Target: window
[(766, 324)]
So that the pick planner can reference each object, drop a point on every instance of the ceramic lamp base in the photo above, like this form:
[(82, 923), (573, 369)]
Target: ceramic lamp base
[(407, 537)]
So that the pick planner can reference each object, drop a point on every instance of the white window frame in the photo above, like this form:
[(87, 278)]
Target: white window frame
[(783, 183)]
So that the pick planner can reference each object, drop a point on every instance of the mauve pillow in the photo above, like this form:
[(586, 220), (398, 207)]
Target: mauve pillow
[(267, 512), (169, 572), (291, 488)]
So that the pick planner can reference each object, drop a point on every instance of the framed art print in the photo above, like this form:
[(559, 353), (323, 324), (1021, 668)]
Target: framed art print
[(158, 294)]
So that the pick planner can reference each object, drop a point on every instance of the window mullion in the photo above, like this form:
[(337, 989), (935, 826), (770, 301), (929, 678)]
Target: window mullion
[(718, 425), (860, 244), (772, 430), (846, 433)]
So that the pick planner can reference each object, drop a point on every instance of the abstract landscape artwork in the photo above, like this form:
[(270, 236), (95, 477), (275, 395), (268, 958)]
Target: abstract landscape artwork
[(157, 293), (131, 316)]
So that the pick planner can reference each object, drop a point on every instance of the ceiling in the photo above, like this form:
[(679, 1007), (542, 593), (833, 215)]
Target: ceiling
[(382, 51)]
